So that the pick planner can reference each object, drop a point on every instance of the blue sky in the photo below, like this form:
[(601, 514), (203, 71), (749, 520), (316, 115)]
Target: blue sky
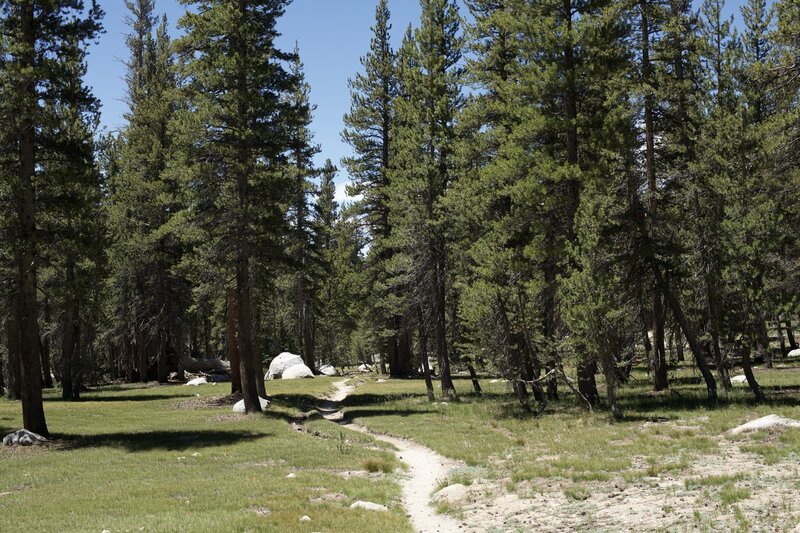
[(332, 36)]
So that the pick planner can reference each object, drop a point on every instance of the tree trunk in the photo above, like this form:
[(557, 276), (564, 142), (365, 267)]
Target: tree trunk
[(440, 322), (423, 354), (162, 373), (790, 335), (751, 378), (258, 362), (27, 313), (233, 342), (391, 352), (587, 385), (475, 383), (14, 368), (607, 363), (676, 332), (697, 351), (763, 334), (70, 333), (47, 376), (180, 347)]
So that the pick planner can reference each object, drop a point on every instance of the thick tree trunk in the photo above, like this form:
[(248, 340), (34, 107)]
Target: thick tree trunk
[(676, 332), (391, 352), (258, 362), (781, 339), (27, 313), (233, 342), (12, 338)]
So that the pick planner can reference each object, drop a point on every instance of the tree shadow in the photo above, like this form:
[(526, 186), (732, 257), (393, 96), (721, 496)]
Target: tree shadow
[(121, 398), (155, 440)]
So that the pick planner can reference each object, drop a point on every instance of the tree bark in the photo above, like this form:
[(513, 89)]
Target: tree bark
[(587, 385), (32, 407), (70, 335), (162, 372), (475, 383), (751, 378), (423, 355), (440, 321), (258, 362), (790, 335), (12, 338), (47, 376), (233, 342)]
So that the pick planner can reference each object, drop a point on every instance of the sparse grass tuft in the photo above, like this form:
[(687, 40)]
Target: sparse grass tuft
[(577, 492), (379, 465)]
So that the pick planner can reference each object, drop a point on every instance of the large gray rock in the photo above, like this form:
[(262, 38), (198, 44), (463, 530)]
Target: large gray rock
[(365, 368), (238, 407), (298, 372), (369, 506), (23, 437), (282, 363), (190, 364), (328, 370)]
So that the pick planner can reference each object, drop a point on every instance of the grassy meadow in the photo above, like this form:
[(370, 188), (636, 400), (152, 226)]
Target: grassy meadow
[(171, 458)]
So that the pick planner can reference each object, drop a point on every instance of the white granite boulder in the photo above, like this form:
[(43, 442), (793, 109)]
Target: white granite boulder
[(328, 370), (369, 506), (766, 422), (298, 372), (23, 437), (238, 407), (197, 381), (794, 353), (452, 494), (739, 380), (365, 368), (282, 363)]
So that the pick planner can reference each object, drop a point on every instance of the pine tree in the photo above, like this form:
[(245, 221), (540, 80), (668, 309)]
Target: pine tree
[(35, 78), (369, 132), (303, 252), (430, 98), (235, 133)]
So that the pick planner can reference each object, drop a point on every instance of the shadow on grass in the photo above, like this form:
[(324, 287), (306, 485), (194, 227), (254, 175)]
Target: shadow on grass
[(155, 440), (121, 398)]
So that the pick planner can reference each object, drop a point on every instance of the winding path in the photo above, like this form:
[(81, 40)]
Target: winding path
[(426, 468)]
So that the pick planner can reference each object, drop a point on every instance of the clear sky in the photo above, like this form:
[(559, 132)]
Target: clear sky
[(332, 36)]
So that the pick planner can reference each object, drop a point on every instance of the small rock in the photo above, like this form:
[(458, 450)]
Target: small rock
[(196, 381), (328, 370), (305, 518), (739, 380), (291, 476), (369, 506), (794, 353), (23, 437), (381, 381), (195, 454), (452, 494)]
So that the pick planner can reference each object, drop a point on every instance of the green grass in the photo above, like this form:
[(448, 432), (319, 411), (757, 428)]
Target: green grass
[(178, 461), (166, 459)]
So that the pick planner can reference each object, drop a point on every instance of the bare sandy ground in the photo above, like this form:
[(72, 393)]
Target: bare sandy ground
[(662, 503), (426, 469)]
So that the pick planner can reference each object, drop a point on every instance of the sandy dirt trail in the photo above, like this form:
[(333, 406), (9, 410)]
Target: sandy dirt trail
[(426, 469)]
